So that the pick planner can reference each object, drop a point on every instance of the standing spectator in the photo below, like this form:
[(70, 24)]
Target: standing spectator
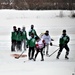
[(24, 38), (13, 38), (31, 43), (63, 43), (47, 39), (19, 39)]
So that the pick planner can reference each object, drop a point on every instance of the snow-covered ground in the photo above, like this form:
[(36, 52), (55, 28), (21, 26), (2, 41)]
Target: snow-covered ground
[(42, 20)]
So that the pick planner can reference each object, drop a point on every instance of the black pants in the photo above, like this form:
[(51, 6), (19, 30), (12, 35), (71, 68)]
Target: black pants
[(19, 45), (41, 51), (61, 48), (31, 52), (13, 45)]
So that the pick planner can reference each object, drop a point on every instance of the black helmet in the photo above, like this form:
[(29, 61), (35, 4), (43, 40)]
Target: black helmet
[(14, 27), (32, 26), (64, 30), (47, 31), (19, 29)]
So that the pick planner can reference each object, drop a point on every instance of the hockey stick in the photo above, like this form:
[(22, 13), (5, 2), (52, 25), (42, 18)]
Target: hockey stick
[(20, 55), (55, 45), (53, 52)]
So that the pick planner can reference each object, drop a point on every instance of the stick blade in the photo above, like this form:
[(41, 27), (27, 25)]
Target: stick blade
[(16, 57)]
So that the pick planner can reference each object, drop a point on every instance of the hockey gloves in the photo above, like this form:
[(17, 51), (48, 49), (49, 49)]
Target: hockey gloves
[(51, 44)]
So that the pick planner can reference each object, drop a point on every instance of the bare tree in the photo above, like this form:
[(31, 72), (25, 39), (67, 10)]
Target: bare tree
[(37, 4)]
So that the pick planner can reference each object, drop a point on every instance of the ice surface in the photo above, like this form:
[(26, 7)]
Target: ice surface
[(42, 21)]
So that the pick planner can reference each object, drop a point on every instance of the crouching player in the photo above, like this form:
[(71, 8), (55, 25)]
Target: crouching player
[(40, 44)]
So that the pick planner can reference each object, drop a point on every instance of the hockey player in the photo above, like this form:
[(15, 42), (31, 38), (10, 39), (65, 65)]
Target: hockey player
[(31, 44), (47, 39), (32, 30), (13, 38), (40, 44), (63, 43), (19, 39), (24, 38)]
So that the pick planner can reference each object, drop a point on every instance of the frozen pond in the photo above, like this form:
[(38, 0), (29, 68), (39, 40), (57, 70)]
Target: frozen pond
[(42, 21)]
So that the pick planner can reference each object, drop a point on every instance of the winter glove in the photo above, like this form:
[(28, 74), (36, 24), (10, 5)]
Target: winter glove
[(52, 39), (51, 44)]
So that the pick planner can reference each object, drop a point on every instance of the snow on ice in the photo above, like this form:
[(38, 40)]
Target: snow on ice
[(42, 20)]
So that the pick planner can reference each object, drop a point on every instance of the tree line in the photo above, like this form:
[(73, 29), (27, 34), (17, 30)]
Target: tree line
[(38, 4)]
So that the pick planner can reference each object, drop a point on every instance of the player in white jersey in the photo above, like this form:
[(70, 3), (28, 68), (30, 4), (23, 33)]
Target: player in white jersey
[(47, 39)]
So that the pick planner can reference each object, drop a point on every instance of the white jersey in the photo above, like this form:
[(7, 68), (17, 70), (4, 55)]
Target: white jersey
[(40, 44), (46, 38)]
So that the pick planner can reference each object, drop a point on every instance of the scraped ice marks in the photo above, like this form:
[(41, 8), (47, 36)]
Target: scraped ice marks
[(17, 55)]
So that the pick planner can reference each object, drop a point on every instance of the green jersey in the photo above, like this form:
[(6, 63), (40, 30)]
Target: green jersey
[(19, 36), (31, 42), (64, 40), (32, 31), (24, 35), (14, 35)]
